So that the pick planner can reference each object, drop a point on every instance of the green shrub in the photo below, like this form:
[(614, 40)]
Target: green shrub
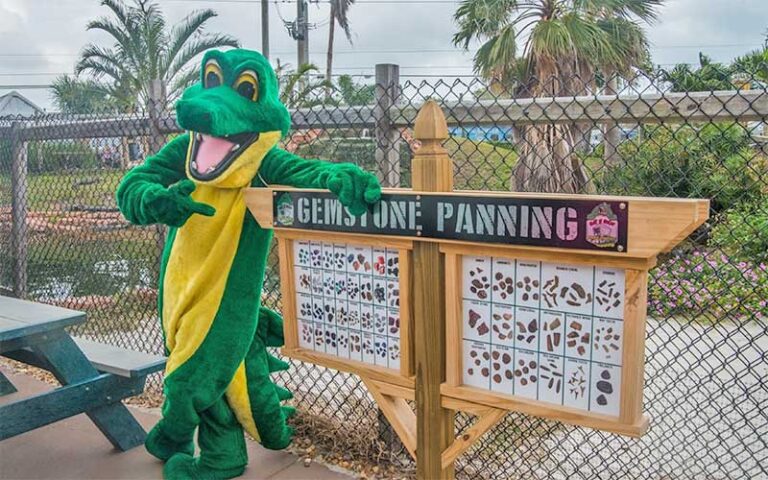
[(58, 156), (706, 284), (715, 162), (743, 231)]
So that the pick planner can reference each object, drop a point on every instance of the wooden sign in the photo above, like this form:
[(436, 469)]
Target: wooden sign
[(572, 223), (484, 302)]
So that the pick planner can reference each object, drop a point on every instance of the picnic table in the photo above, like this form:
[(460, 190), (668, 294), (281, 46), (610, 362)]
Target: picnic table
[(94, 377)]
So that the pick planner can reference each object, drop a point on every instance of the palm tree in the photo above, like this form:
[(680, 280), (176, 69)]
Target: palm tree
[(708, 76), (354, 94), (554, 48), (754, 64), (146, 50), (77, 95), (339, 14), (297, 90)]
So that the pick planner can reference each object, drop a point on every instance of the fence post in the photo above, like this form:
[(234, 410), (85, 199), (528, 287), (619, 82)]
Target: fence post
[(387, 137), (432, 172), (19, 236), (156, 107)]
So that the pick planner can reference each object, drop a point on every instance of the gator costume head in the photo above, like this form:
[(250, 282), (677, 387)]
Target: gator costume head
[(218, 373), (234, 117)]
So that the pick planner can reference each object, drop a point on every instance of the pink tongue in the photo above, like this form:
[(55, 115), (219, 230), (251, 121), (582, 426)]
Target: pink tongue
[(211, 151)]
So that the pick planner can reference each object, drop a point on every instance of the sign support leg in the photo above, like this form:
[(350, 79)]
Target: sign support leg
[(432, 172)]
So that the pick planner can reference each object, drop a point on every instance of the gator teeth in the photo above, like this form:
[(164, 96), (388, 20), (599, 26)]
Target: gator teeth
[(210, 169), (236, 147), (199, 137), (194, 164)]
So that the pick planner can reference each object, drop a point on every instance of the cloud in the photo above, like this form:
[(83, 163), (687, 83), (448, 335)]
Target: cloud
[(416, 36)]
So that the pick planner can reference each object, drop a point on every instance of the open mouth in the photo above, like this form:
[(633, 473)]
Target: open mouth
[(213, 155)]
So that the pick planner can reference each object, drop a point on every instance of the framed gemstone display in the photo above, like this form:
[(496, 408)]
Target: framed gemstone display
[(543, 336), (350, 303)]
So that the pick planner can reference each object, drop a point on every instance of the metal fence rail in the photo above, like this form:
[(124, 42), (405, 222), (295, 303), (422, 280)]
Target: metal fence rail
[(63, 241)]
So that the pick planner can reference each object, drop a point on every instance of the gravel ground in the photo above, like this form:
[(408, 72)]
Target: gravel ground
[(705, 391)]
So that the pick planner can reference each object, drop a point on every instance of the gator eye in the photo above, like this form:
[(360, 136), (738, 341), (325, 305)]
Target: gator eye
[(212, 75), (247, 85)]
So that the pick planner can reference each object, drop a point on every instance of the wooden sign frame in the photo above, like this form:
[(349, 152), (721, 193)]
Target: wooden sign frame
[(286, 246), (431, 310), (630, 421)]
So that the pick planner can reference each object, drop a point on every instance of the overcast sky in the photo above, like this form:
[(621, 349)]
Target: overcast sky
[(41, 38)]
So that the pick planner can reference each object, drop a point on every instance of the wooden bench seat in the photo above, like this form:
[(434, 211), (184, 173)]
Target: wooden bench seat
[(120, 361)]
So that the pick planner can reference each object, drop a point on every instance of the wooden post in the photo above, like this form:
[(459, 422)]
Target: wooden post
[(387, 137), (19, 234), (433, 172)]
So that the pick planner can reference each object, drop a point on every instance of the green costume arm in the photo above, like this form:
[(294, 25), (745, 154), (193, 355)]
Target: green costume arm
[(355, 187), (158, 190)]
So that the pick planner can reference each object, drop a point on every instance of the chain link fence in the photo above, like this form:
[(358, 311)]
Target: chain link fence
[(63, 241)]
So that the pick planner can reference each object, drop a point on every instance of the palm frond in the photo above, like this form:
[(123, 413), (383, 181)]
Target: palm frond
[(196, 47), (119, 9), (181, 81), (289, 79), (119, 32), (184, 30), (340, 14), (497, 53), (478, 19), (99, 69)]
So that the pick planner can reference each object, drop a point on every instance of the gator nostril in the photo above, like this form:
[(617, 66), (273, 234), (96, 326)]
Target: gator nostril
[(192, 116), (205, 119)]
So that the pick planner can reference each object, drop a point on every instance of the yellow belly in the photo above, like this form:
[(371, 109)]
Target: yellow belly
[(195, 279)]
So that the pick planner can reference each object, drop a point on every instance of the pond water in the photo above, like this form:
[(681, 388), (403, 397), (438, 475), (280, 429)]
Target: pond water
[(59, 269)]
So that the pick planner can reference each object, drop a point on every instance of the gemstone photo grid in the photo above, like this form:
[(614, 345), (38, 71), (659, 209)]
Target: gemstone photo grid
[(348, 301), (544, 331)]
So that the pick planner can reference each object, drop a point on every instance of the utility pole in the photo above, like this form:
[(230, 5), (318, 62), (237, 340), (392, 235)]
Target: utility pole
[(265, 28), (302, 32)]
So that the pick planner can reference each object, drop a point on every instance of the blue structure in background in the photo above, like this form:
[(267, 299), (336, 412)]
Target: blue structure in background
[(480, 133)]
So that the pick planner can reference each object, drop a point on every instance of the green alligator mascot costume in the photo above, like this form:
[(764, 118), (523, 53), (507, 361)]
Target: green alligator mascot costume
[(215, 330)]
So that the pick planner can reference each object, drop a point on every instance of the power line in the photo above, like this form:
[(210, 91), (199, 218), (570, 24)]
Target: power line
[(31, 74), (380, 2), (410, 51)]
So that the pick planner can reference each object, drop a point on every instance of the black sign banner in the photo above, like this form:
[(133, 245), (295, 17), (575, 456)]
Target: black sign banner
[(543, 222)]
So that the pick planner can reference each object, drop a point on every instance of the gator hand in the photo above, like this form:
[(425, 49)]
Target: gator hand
[(355, 188), (173, 205)]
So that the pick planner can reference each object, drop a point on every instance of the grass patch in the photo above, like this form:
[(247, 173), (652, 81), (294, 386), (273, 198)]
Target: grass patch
[(480, 165), (52, 191)]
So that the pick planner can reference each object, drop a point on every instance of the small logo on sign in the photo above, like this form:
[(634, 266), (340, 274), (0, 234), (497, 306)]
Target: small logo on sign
[(285, 210), (602, 227)]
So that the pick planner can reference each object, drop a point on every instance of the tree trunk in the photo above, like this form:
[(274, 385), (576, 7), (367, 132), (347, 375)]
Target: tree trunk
[(547, 160), (329, 53)]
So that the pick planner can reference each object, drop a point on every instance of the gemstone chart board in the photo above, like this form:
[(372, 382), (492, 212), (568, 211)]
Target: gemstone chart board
[(558, 336), (345, 303), (348, 301), (544, 331)]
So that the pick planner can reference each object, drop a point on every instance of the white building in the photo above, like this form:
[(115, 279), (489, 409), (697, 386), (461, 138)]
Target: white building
[(16, 104)]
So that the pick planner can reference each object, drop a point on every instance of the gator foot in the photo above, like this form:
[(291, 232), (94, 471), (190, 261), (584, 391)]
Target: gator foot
[(185, 467), (163, 447), (278, 441)]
